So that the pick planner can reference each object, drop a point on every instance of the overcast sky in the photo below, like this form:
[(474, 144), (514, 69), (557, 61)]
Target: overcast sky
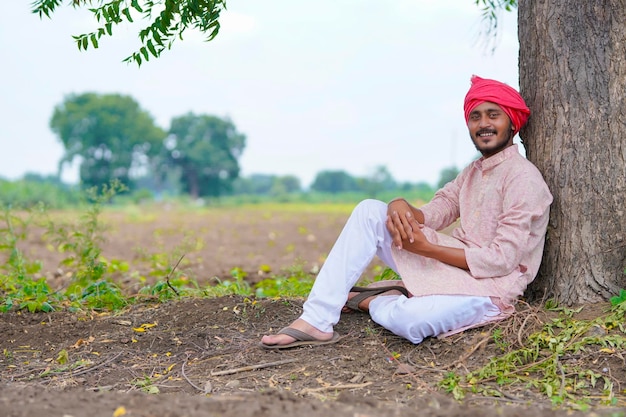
[(324, 85)]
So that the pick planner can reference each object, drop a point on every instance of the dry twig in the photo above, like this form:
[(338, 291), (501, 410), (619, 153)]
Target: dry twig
[(84, 371), (252, 367), (335, 387), (182, 371), (469, 353), (167, 278)]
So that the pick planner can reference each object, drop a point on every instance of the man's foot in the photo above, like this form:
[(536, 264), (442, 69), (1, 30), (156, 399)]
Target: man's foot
[(361, 297), (285, 340)]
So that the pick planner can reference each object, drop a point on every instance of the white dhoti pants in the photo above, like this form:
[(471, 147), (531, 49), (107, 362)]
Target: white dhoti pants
[(415, 318)]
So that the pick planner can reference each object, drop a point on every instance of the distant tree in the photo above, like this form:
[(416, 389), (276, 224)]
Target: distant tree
[(379, 180), (43, 179), (110, 135), (253, 184), (334, 182), (286, 184), (206, 149), (160, 179), (446, 175), (34, 189), (267, 184), (422, 187)]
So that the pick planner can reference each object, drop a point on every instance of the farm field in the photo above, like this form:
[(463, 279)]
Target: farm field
[(200, 356)]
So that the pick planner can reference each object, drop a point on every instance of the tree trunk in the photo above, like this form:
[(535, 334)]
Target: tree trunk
[(573, 78)]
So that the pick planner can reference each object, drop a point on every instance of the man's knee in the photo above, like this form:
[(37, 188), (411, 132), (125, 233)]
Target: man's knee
[(370, 208)]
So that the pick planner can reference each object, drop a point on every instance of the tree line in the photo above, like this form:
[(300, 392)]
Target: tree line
[(113, 139)]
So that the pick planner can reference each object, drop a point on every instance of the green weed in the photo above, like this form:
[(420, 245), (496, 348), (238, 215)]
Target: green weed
[(387, 274), (81, 241), (102, 295), (90, 284), (499, 339), (146, 384), (237, 286), (295, 282), (18, 282), (451, 383), (620, 299), (543, 362)]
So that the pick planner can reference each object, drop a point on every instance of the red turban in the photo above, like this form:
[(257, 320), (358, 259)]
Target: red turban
[(508, 98)]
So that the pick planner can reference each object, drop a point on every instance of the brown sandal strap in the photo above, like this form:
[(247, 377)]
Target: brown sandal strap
[(366, 292)]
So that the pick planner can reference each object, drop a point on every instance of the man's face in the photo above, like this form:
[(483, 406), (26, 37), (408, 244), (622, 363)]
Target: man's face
[(490, 128)]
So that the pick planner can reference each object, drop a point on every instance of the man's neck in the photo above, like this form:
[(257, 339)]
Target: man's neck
[(499, 150)]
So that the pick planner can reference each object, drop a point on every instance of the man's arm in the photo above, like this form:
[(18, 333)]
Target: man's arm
[(406, 231)]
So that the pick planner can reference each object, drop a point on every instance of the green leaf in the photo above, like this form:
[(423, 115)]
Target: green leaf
[(113, 14), (151, 48), (126, 12), (135, 4), (94, 40), (157, 37)]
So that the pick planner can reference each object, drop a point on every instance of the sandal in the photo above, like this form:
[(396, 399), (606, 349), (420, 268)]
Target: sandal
[(365, 292), (302, 339)]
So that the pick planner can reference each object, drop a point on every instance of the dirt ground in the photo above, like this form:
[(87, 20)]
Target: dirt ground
[(200, 357)]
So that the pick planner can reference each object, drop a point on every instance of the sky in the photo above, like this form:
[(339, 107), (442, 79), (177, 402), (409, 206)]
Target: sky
[(327, 85)]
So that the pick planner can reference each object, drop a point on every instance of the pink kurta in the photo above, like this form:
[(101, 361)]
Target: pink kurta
[(503, 205)]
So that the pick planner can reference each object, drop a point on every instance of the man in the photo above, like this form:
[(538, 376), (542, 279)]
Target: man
[(449, 282)]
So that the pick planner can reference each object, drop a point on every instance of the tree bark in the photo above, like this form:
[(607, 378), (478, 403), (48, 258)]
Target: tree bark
[(573, 78)]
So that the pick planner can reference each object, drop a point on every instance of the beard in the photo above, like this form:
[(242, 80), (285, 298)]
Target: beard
[(501, 142)]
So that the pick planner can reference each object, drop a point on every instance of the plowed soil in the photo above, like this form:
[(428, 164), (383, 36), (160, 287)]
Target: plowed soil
[(200, 357)]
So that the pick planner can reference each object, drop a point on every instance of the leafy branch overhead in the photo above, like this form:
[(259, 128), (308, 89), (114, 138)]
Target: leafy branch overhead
[(168, 20)]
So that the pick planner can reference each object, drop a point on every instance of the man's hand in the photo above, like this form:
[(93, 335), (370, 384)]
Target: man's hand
[(402, 223), (405, 224)]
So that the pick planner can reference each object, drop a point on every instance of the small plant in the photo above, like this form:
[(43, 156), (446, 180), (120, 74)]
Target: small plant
[(103, 295), (146, 384), (499, 339), (238, 286), (295, 282), (619, 299), (451, 383), (165, 267), (175, 284), (18, 282), (82, 241), (171, 289), (388, 274), (372, 331)]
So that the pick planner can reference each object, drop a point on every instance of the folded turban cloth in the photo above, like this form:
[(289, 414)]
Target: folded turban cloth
[(508, 98)]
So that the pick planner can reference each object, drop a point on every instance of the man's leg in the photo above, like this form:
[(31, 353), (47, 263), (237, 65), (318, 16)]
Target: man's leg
[(417, 318), (363, 236)]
